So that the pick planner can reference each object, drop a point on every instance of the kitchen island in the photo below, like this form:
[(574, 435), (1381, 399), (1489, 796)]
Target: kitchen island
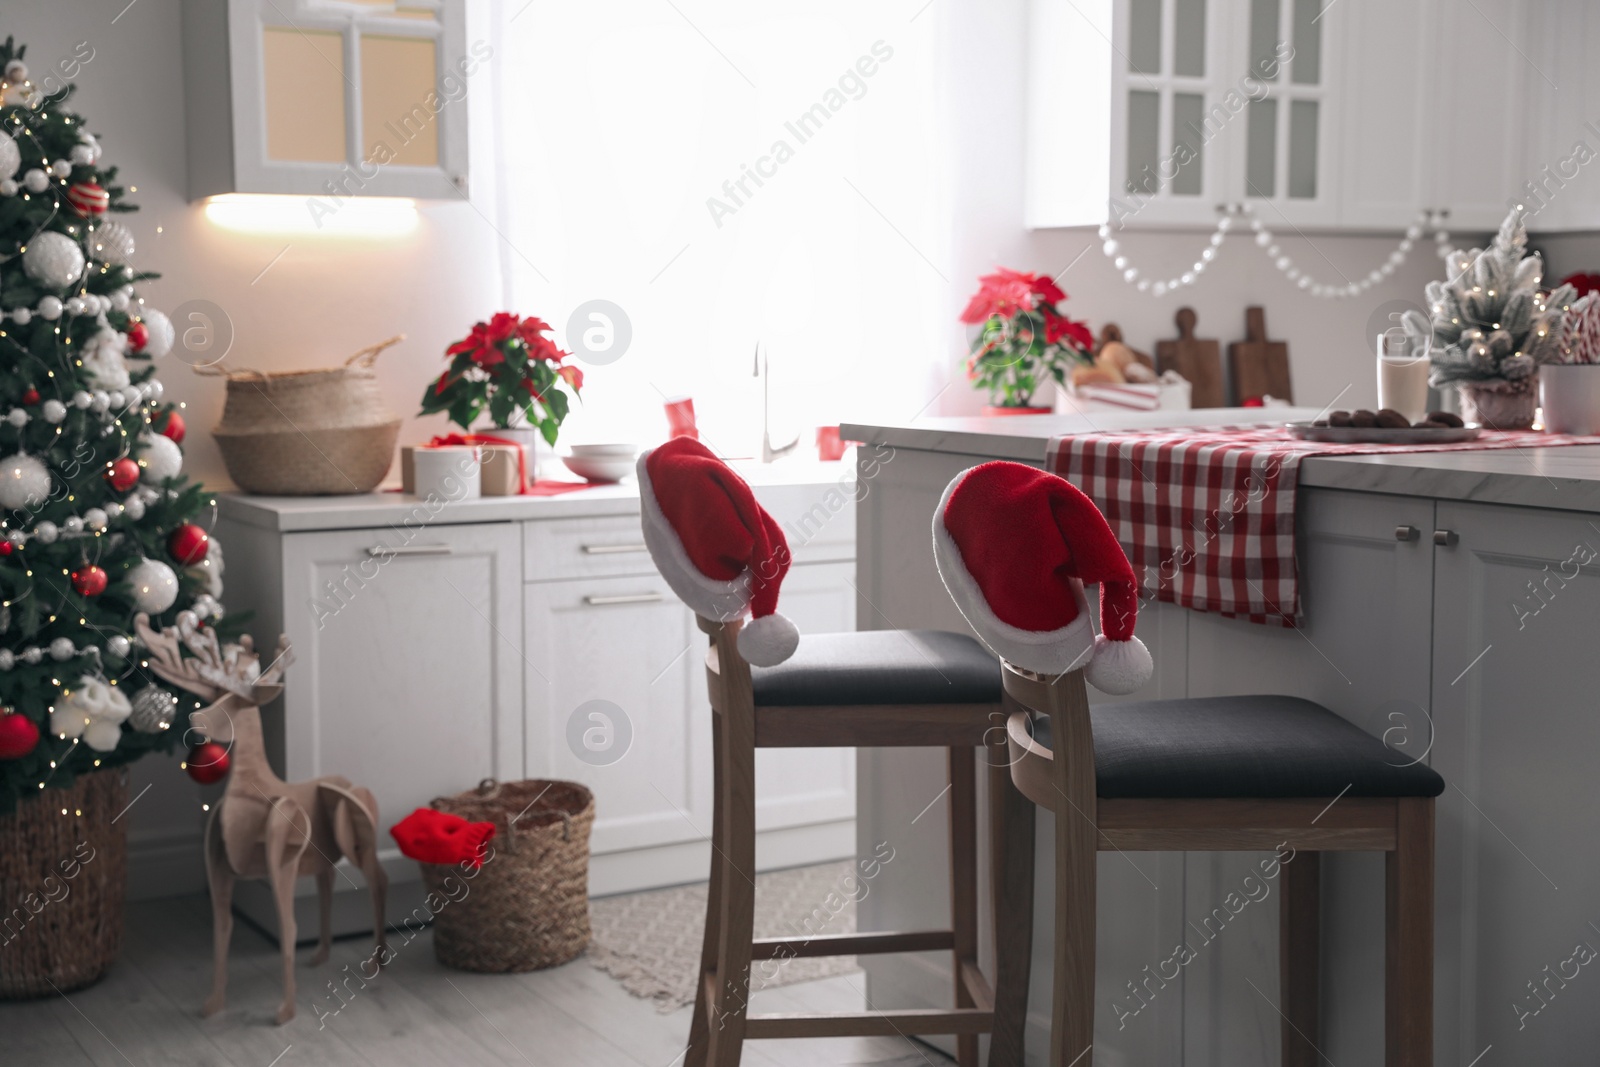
[(1449, 602)]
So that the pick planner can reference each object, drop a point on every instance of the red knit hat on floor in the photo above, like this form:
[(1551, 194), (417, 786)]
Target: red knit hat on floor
[(718, 549), (1015, 546)]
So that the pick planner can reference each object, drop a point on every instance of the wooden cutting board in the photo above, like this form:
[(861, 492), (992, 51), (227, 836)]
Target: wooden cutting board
[(1200, 361), (1260, 367)]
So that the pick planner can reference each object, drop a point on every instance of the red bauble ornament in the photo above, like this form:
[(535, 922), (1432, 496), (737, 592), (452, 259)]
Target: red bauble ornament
[(6, 548), (170, 424), (207, 763), (123, 474), (89, 580), (138, 337), (188, 544), (30, 396), (88, 199), (18, 735)]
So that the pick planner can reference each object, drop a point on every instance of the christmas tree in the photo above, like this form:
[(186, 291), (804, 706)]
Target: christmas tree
[(96, 521)]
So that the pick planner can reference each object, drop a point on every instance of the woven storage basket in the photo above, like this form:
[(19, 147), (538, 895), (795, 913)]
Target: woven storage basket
[(528, 906), (308, 432), (61, 886)]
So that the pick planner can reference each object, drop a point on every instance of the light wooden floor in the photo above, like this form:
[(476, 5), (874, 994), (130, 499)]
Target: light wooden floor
[(417, 1014)]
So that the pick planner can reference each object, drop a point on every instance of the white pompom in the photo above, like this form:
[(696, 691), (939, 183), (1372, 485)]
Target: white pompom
[(1119, 667), (54, 260), (768, 641), (154, 585), (161, 333), (24, 481), (159, 458)]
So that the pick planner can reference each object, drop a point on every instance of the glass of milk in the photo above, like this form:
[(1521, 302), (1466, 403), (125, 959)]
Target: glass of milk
[(1403, 373)]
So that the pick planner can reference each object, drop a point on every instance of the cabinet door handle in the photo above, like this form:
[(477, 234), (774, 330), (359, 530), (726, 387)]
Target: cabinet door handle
[(634, 598), (1406, 533), (1445, 537), (409, 550), (614, 550)]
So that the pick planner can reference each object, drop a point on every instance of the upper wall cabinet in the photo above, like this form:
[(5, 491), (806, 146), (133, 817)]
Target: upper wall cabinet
[(1352, 115), (327, 97)]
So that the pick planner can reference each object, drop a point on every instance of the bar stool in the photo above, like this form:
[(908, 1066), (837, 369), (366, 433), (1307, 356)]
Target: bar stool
[(873, 688), (1222, 775), (1015, 547)]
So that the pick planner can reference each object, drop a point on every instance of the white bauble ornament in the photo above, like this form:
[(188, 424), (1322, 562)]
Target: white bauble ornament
[(9, 187), (24, 481), (35, 180), (89, 141), (113, 243), (8, 659), (46, 533), (73, 524), (81, 155), (17, 417), (32, 655), (113, 509), (81, 400), (54, 411), (10, 156), (153, 389), (209, 569), (62, 649), (102, 357), (74, 305), (161, 333), (118, 399), (159, 458), (118, 301), (119, 646), (100, 401), (22, 316), (53, 259), (154, 585), (50, 308), (60, 168), (95, 518), (134, 507)]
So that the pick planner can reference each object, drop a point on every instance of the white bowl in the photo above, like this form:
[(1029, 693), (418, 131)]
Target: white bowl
[(612, 468), (623, 448)]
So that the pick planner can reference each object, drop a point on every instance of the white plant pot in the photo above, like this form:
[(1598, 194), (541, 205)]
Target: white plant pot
[(449, 472), (1570, 396)]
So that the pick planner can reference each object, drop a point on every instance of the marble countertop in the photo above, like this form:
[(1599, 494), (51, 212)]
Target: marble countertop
[(1565, 478), (297, 513)]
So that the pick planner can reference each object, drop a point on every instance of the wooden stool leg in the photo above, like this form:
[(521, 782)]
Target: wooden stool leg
[(964, 887), (736, 801), (1408, 989), (1299, 958), (1072, 1014), (1011, 822), (699, 1026)]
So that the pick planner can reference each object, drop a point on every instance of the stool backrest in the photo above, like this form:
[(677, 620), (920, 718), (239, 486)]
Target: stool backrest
[(1070, 757), (727, 673)]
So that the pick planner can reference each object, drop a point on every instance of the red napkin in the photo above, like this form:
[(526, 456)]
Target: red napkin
[(430, 836)]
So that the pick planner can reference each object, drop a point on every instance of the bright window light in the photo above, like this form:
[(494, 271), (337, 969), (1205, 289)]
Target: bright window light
[(355, 216)]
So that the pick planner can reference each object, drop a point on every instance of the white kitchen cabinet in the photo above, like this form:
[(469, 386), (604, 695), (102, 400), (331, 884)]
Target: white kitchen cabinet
[(328, 98), (1387, 91)]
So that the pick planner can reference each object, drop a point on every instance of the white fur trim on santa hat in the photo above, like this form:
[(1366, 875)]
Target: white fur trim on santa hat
[(1119, 667), (710, 598), (1043, 652), (768, 641)]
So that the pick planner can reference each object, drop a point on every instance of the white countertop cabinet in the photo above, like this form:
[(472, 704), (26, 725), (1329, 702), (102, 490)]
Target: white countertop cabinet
[(431, 654)]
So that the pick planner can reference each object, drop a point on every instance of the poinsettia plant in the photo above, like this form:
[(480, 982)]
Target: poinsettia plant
[(1024, 340), (506, 367)]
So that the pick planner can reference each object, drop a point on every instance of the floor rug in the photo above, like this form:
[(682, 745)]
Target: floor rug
[(650, 942)]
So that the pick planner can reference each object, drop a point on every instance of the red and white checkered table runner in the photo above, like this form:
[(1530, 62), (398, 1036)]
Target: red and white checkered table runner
[(1206, 514)]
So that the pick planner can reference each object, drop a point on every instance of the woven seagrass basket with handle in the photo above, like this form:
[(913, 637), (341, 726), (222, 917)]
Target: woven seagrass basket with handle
[(307, 432), (527, 907)]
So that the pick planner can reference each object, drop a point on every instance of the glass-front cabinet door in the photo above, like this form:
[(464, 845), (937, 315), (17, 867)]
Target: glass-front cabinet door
[(1170, 112), (1284, 66), (330, 97)]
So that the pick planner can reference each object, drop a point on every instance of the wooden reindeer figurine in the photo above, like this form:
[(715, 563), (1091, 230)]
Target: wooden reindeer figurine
[(265, 827)]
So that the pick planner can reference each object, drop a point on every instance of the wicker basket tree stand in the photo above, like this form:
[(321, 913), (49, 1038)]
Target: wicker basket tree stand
[(62, 880), (527, 908)]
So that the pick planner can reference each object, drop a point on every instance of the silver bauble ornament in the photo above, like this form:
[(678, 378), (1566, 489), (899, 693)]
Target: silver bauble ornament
[(159, 458), (113, 243), (24, 481), (119, 646), (54, 260), (154, 710), (62, 649)]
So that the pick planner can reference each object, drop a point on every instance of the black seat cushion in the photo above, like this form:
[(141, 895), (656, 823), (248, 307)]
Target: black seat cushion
[(1250, 746), (881, 667)]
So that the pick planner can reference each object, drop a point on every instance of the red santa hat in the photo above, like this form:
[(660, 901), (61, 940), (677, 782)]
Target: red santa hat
[(719, 550), (1015, 546)]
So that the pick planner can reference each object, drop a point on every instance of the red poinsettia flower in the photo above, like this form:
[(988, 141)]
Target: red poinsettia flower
[(531, 330), (502, 327), (442, 384), (1003, 293), (481, 344), (1046, 288), (532, 390), (571, 375)]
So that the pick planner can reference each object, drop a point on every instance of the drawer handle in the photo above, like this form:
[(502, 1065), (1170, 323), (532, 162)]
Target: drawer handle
[(635, 598), (614, 550), (1446, 538), (1406, 533), (409, 550)]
